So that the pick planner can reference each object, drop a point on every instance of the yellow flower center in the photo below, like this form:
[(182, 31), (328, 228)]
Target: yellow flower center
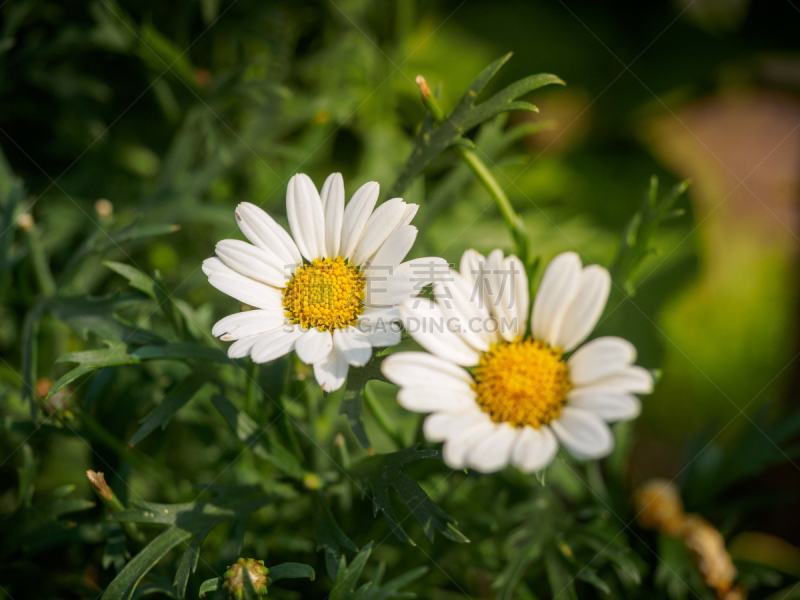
[(522, 383), (327, 294)]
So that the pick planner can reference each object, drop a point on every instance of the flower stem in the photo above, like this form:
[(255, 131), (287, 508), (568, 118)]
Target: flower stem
[(485, 176), (381, 417)]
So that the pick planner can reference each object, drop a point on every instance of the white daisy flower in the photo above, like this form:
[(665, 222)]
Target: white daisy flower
[(498, 397), (330, 291)]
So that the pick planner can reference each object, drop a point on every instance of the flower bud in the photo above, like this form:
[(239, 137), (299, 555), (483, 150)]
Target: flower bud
[(104, 208), (99, 484), (660, 506), (234, 576), (25, 221)]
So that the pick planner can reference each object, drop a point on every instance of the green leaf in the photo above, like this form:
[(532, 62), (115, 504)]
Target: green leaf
[(249, 591), (384, 472), (15, 194), (124, 584), (210, 585), (180, 350), (32, 527), (86, 315), (432, 141), (558, 574), (179, 395), (255, 439), (26, 473), (188, 562), (352, 407), (194, 520), (30, 334), (154, 288), (347, 576), (291, 570), (115, 551), (637, 240), (90, 360), (330, 537), (136, 279)]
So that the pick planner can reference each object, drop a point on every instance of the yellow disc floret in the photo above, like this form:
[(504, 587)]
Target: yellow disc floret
[(522, 383), (327, 294)]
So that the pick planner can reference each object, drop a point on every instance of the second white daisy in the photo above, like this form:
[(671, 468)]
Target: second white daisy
[(498, 397), (329, 291)]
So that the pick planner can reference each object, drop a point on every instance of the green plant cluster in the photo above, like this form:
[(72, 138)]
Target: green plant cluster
[(182, 110)]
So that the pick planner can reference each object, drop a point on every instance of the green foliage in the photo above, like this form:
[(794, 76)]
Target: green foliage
[(382, 473), (176, 112)]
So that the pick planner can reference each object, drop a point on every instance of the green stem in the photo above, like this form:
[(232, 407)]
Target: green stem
[(486, 178), (44, 277), (381, 417)]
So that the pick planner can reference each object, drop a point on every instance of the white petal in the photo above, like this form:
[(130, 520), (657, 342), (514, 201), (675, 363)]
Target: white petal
[(438, 427), (557, 289), (213, 264), (332, 197), (395, 248), (264, 232), (379, 227), (247, 323), (306, 219), (585, 309), (584, 434), (459, 444), (314, 346), (426, 323), (245, 289), (275, 344), (430, 399), (600, 358), (414, 369), (492, 453), (472, 267), (425, 270), (253, 262), (535, 449), (381, 334), (507, 291), (353, 346), (356, 215), (242, 347), (384, 316), (609, 406), (632, 379), (458, 299), (332, 372)]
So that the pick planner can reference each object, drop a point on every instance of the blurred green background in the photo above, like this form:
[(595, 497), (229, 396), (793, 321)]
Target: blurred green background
[(176, 111)]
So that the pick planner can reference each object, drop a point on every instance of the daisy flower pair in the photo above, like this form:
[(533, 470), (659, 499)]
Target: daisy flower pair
[(496, 394)]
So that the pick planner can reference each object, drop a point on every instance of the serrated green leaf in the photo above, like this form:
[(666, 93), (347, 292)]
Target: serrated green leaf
[(124, 584), (352, 407), (115, 551), (256, 439), (87, 315), (175, 399), (347, 576), (432, 141), (637, 239), (384, 472), (330, 537), (90, 360)]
